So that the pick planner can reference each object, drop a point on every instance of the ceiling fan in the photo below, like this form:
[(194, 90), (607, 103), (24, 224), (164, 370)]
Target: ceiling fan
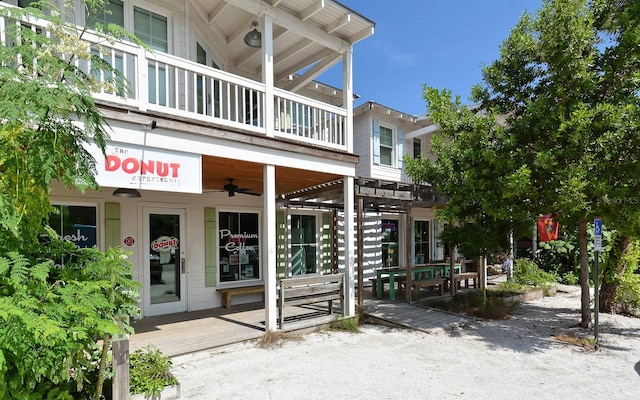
[(232, 189)]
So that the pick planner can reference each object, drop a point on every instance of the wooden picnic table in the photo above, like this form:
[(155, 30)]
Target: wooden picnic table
[(444, 269), (392, 272)]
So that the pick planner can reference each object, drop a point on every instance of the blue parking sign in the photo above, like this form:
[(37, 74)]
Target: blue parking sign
[(597, 227)]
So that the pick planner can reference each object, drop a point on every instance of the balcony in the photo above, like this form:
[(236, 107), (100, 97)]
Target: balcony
[(172, 85)]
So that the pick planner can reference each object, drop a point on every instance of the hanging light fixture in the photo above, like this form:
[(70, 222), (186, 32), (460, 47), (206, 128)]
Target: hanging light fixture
[(253, 38), (124, 192)]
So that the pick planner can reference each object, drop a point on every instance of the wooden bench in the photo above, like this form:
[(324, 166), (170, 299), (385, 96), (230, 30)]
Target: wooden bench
[(465, 276), (425, 283), (228, 292), (385, 279), (305, 290)]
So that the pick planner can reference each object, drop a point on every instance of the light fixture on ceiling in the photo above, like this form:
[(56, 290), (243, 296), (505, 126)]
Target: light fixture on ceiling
[(125, 192), (253, 38)]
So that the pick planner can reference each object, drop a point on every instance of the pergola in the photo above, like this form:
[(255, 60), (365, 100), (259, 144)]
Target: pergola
[(372, 195)]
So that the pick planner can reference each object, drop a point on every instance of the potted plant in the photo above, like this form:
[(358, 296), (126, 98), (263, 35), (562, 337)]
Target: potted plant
[(150, 375)]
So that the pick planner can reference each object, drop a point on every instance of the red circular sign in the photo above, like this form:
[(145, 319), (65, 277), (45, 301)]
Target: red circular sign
[(129, 241)]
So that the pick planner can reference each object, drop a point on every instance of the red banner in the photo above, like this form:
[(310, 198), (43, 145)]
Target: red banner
[(547, 228)]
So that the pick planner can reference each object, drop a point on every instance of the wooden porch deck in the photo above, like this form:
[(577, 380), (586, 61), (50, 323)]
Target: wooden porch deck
[(182, 333)]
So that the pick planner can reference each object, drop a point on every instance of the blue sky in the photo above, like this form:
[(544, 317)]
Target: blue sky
[(440, 43)]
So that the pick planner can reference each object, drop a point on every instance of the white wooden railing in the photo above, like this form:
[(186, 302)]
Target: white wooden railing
[(171, 85)]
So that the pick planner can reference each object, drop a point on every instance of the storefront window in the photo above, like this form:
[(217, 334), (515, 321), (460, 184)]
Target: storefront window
[(421, 232), (76, 224), (303, 245), (389, 242), (239, 244)]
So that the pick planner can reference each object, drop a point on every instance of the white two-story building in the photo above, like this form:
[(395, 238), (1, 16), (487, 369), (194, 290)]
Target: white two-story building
[(399, 223), (223, 119)]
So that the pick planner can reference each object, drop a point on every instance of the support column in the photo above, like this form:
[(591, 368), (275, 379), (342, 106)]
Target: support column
[(359, 216), (349, 270), (482, 272), (347, 92), (269, 247), (267, 75), (408, 250), (120, 383)]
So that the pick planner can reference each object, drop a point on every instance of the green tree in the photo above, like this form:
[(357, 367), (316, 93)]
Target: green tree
[(56, 301), (567, 85)]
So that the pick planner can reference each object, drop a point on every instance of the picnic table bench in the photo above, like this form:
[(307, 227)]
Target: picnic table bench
[(305, 290), (385, 279), (426, 283), (466, 276)]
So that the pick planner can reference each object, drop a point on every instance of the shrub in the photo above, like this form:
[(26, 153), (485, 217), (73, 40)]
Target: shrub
[(526, 272), (570, 278), (150, 372), (628, 293)]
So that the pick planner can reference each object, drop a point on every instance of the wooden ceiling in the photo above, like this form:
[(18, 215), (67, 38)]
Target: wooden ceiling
[(216, 172)]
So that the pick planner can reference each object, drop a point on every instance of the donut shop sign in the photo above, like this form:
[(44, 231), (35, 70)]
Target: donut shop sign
[(129, 166)]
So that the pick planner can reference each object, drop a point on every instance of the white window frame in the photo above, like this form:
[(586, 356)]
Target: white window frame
[(392, 147)]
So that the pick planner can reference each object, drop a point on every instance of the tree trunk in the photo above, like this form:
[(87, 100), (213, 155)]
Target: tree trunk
[(615, 267), (584, 274)]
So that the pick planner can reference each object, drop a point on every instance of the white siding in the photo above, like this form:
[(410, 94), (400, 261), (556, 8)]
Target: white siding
[(362, 143)]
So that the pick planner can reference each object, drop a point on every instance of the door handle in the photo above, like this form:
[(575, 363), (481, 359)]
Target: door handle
[(182, 265)]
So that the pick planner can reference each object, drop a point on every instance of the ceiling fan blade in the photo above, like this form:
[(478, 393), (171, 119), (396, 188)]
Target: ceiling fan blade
[(248, 191)]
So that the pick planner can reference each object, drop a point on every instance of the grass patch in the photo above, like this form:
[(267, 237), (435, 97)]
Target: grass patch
[(588, 343), (349, 325), (274, 339), (476, 305)]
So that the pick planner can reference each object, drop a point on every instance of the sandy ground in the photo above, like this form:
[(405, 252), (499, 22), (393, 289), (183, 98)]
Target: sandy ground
[(517, 358)]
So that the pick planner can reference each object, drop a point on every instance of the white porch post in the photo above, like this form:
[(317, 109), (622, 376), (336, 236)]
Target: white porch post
[(347, 92), (267, 74), (349, 267), (269, 247)]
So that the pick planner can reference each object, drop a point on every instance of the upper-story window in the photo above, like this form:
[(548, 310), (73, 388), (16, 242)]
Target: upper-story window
[(113, 13), (25, 3), (151, 28), (417, 148), (387, 145)]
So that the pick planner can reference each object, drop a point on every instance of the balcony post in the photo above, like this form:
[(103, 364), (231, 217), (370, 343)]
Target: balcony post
[(347, 84), (142, 79), (267, 75)]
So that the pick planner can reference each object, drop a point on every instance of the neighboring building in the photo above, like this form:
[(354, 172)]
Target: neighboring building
[(215, 129), (382, 138)]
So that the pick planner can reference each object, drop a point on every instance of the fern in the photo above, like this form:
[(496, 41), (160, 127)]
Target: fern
[(19, 269)]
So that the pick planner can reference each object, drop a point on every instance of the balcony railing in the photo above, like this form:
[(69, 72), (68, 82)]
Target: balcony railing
[(171, 85)]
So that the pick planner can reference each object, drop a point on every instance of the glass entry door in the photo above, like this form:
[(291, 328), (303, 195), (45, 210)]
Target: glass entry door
[(165, 261)]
